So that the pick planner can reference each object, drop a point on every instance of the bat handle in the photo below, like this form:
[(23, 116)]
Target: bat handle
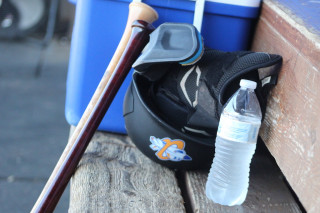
[(137, 11)]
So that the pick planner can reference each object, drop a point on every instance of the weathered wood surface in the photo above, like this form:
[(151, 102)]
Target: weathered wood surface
[(267, 191), (291, 128), (113, 176)]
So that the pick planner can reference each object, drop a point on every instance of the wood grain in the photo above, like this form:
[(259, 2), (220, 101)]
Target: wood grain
[(291, 127), (114, 176), (267, 191)]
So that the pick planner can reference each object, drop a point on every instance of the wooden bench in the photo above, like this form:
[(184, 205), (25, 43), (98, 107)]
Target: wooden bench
[(114, 176), (291, 127)]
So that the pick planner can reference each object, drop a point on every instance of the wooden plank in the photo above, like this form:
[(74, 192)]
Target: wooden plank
[(113, 176), (291, 128), (267, 192), (306, 10)]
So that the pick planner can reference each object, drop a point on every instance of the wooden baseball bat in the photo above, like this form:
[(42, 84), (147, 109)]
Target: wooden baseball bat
[(128, 49), (137, 11)]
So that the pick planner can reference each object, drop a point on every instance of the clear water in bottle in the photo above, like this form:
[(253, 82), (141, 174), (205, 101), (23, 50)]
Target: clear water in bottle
[(228, 179)]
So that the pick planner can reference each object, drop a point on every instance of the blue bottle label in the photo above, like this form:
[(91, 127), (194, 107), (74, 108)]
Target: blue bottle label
[(238, 131)]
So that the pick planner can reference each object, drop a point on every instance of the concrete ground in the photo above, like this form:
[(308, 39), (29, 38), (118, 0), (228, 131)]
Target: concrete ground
[(33, 129)]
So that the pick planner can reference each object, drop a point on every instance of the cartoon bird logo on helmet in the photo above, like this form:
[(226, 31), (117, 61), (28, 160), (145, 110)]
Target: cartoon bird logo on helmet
[(168, 149)]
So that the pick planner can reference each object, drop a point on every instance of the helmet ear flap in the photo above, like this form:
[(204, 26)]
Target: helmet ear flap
[(169, 44)]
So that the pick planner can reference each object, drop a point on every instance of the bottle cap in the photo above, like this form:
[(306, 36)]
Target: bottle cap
[(248, 84)]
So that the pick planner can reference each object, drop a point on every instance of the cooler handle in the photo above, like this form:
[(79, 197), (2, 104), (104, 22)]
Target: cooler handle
[(198, 14)]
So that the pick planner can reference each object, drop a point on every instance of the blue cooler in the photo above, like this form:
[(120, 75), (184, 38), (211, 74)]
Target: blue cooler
[(227, 25)]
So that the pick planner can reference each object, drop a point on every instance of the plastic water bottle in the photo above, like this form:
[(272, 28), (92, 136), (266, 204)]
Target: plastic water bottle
[(228, 179)]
